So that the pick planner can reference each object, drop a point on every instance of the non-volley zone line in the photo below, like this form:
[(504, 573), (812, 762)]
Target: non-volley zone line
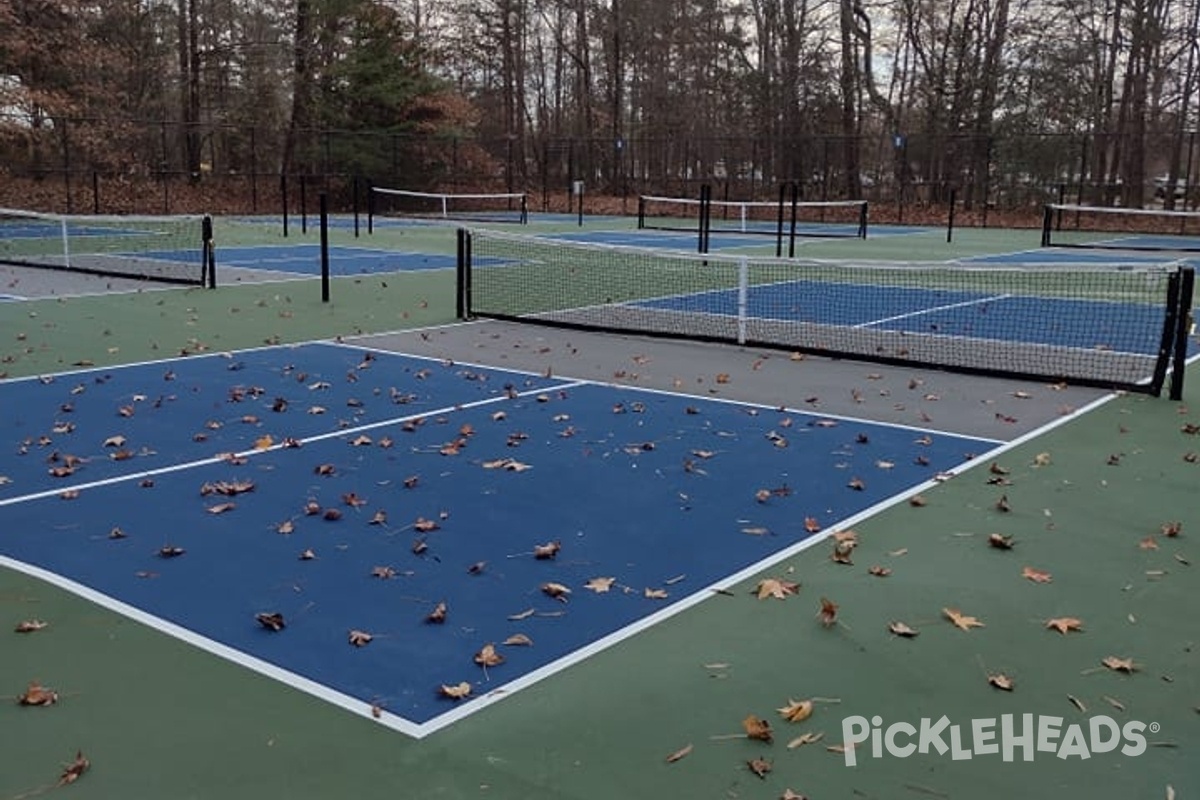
[(604, 470)]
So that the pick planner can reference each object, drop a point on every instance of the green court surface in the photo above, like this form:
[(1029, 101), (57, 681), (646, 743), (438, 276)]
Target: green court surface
[(1103, 499)]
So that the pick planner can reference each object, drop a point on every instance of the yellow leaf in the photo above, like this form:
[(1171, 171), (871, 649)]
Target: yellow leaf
[(600, 585), (961, 620), (518, 640), (803, 739), (457, 691), (796, 710), (757, 728), (1065, 624), (775, 587)]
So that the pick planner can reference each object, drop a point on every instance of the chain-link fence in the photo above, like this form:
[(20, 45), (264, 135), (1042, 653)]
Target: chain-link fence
[(102, 166)]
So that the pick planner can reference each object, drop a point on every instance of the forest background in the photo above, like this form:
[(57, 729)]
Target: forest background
[(210, 105)]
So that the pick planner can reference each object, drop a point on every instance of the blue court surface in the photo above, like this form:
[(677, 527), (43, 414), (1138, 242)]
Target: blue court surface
[(305, 259), (1060, 322), (354, 492), (53, 230), (1068, 256)]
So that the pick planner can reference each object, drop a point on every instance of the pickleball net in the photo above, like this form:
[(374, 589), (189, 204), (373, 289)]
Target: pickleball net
[(453, 208), (825, 219), (169, 249), (1120, 328), (1116, 228)]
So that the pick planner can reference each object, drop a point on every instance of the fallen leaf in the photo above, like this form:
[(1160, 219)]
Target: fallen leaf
[(30, 626), (1001, 681), (38, 695), (1172, 529), (879, 572), (1002, 504), (518, 640), (438, 614), (1001, 541), (828, 612), (383, 572), (360, 638), (457, 691), (654, 594), (961, 620), (1116, 664), (221, 508), (796, 710), (1041, 460), (788, 794), (271, 620), (775, 587), (170, 551), (759, 766), (556, 590), (757, 728), (918, 501), (547, 551), (520, 615), (488, 656), (600, 585), (74, 770), (1148, 543), (285, 527), (1036, 575), (681, 753), (812, 525), (1079, 704), (805, 738), (903, 630)]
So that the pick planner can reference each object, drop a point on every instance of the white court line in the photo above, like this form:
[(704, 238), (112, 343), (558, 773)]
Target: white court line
[(932, 310)]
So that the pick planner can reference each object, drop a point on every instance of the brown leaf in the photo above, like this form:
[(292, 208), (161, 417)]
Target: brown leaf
[(1002, 504), (775, 587), (324, 469), (285, 527), (520, 615), (74, 770), (918, 501), (828, 612), (759, 766), (547, 551), (654, 594), (518, 640), (878, 571), (681, 753), (38, 695), (1172, 529), (600, 585), (1148, 543), (796, 710), (438, 615), (271, 620), (857, 484), (308, 555), (221, 508), (1001, 541), (378, 518), (457, 691), (332, 514), (1036, 575), (425, 525), (353, 500), (556, 590), (1125, 665), (788, 794), (805, 738), (488, 656), (383, 572), (812, 525), (757, 728), (903, 630), (30, 626), (170, 551), (1001, 681), (961, 620), (360, 638)]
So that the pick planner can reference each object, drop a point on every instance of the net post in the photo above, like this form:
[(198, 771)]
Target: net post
[(1185, 323), (1047, 224), (641, 212), (524, 208), (779, 219), (354, 202), (370, 208), (950, 217), (704, 220), (795, 211), (743, 301), (283, 198), (460, 274), (208, 270), (324, 248), (303, 204), (95, 192)]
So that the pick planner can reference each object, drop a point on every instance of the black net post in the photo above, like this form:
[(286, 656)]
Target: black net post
[(463, 275), (1185, 326), (950, 218), (283, 191), (779, 219), (303, 204), (354, 203), (1047, 224), (95, 192), (795, 211), (324, 248), (703, 220), (208, 275), (641, 214), (370, 208)]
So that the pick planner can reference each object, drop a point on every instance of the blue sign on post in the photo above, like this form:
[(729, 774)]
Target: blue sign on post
[(898, 140)]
